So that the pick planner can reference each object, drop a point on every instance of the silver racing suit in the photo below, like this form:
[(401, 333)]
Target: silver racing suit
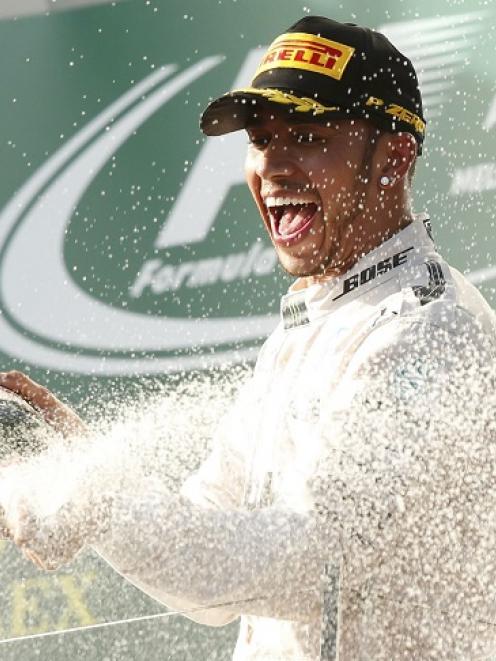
[(346, 509)]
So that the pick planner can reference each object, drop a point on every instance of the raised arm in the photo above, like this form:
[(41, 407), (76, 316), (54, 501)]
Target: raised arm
[(203, 549), (198, 551)]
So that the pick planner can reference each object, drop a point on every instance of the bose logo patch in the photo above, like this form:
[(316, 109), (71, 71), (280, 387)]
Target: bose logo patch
[(374, 271)]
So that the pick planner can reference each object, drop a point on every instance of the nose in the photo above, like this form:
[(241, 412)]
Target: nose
[(275, 161)]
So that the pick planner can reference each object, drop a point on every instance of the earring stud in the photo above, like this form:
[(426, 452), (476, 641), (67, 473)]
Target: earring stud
[(385, 181)]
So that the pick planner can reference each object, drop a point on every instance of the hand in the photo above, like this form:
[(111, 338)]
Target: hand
[(49, 520), (56, 414)]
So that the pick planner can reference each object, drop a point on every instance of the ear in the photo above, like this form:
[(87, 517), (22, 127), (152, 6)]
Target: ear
[(398, 153)]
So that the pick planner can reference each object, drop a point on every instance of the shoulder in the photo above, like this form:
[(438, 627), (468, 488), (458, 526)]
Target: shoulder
[(456, 339), (436, 309), (421, 353)]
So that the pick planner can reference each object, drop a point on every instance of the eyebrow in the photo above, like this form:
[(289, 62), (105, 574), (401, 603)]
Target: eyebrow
[(255, 120), (293, 119)]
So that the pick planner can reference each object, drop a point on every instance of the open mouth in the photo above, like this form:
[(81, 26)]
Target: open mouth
[(291, 222)]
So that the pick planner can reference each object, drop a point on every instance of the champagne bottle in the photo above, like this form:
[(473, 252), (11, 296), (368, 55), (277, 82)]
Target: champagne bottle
[(23, 431)]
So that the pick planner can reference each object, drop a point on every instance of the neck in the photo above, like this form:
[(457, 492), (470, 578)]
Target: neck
[(354, 245)]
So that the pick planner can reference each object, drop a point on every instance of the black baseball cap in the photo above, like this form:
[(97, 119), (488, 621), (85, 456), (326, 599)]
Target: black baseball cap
[(327, 70)]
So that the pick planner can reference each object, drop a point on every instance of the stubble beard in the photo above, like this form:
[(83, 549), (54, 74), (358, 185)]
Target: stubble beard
[(333, 261)]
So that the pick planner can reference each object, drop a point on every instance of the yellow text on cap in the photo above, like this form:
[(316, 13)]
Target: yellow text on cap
[(298, 50)]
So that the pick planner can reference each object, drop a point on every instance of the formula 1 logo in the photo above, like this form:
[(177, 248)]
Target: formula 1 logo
[(49, 320)]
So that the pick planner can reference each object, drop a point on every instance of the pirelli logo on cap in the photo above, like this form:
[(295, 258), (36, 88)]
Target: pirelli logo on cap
[(298, 50)]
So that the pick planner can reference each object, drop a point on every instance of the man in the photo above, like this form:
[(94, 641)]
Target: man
[(347, 507)]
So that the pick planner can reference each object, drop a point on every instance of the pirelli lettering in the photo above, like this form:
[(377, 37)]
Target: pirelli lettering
[(372, 272), (298, 50)]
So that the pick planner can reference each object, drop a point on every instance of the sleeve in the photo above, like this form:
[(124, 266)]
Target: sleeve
[(407, 479), (265, 562), (202, 554), (220, 481), (217, 484)]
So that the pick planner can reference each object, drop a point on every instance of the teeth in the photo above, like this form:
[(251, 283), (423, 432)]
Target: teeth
[(273, 201)]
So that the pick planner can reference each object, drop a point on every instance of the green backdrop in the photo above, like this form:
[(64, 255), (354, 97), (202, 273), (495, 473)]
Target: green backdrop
[(130, 250)]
